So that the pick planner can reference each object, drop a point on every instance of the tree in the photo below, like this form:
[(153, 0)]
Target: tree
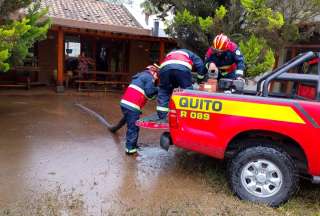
[(259, 57), (275, 23), (285, 25), (17, 35), (148, 10), (193, 22), (296, 14)]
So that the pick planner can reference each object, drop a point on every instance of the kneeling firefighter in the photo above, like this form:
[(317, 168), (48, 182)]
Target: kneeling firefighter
[(142, 88)]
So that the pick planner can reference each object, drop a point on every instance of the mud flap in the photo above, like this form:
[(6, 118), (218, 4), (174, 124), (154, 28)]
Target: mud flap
[(153, 122)]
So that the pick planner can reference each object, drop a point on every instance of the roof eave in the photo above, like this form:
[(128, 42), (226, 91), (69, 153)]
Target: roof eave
[(99, 27)]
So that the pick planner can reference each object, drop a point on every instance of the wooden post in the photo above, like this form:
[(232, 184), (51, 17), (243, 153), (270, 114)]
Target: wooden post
[(162, 51), (276, 62), (293, 52), (127, 65), (287, 85), (60, 72)]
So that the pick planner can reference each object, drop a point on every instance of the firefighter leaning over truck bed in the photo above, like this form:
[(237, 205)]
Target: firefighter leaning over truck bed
[(225, 58), (143, 87), (175, 71)]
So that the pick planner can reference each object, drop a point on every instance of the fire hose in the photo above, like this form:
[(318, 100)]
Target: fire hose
[(102, 120)]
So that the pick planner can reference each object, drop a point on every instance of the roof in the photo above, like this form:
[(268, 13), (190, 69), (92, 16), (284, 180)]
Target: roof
[(93, 14)]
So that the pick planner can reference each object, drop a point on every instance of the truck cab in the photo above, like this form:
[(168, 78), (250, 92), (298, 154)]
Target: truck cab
[(268, 137)]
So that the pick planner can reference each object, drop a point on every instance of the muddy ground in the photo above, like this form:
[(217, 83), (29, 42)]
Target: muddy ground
[(57, 160)]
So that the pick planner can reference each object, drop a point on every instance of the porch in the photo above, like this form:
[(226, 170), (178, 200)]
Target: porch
[(116, 57)]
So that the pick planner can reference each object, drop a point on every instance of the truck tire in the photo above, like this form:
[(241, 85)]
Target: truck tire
[(264, 175)]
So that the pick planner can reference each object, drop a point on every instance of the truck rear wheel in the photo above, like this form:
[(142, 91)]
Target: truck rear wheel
[(264, 175)]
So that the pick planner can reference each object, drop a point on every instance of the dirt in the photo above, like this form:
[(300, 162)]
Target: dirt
[(57, 160)]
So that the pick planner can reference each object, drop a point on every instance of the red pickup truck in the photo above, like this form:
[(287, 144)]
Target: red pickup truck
[(270, 139)]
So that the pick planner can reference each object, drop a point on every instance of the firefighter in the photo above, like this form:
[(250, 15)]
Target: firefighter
[(224, 58), (175, 71), (142, 87)]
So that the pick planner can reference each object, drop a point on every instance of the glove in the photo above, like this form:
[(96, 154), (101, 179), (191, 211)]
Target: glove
[(214, 74), (213, 67)]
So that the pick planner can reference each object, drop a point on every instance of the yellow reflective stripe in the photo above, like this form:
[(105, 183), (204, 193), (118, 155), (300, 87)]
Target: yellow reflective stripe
[(131, 151), (163, 109), (138, 89), (130, 104), (176, 62), (237, 108), (224, 73), (152, 98), (200, 76)]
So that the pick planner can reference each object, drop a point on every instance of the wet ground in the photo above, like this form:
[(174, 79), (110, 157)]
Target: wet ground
[(57, 160)]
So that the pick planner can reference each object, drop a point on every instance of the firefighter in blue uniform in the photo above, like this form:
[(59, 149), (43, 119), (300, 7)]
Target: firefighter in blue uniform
[(175, 71), (143, 87), (225, 58)]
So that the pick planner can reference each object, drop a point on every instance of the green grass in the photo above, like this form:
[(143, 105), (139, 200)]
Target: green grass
[(213, 172)]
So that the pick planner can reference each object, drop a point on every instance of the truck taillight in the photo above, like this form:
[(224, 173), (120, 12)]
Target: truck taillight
[(173, 117)]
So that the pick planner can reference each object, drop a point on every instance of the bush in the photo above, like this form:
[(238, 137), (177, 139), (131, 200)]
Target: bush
[(259, 58)]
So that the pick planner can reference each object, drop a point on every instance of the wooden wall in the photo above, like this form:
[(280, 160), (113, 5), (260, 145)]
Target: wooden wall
[(139, 56), (48, 58)]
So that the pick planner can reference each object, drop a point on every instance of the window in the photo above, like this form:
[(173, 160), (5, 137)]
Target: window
[(72, 46), (298, 89)]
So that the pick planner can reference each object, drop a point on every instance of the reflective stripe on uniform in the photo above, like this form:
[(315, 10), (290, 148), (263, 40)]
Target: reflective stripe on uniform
[(131, 151), (200, 76), (239, 72), (152, 98), (176, 62), (162, 109), (137, 88), (180, 52), (224, 73), (130, 104)]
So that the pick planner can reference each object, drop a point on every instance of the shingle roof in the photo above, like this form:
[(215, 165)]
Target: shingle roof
[(93, 14)]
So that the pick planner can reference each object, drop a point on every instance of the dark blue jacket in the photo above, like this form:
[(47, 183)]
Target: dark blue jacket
[(141, 88), (145, 81), (196, 61)]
